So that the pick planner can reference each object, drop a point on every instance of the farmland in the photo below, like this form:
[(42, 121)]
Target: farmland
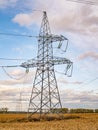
[(70, 122)]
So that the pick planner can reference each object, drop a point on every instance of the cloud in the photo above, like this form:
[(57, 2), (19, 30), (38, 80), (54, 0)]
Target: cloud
[(78, 21), (27, 20), (81, 20), (69, 82), (93, 55), (79, 99), (16, 96), (17, 72), (63, 16), (7, 3), (69, 98), (23, 19), (18, 77), (76, 82), (18, 49)]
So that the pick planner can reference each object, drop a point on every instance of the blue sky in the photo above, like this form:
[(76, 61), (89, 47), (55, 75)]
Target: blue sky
[(78, 22)]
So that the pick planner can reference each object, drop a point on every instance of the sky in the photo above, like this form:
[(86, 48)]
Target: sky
[(76, 21)]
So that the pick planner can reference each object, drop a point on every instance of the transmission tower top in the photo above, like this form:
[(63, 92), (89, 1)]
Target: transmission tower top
[(45, 28)]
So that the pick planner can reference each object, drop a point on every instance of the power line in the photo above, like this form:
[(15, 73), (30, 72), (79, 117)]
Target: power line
[(19, 35), (84, 2), (92, 80), (10, 66), (12, 59), (88, 82), (2, 58), (12, 76)]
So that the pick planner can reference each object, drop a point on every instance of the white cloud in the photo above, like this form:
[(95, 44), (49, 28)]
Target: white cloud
[(7, 3), (89, 54), (18, 77), (63, 16), (62, 80), (80, 20), (69, 97), (79, 99), (24, 19), (17, 72)]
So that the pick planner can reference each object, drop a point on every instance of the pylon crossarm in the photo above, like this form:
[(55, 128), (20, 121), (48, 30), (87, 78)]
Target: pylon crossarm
[(55, 38), (29, 64), (55, 60), (59, 60)]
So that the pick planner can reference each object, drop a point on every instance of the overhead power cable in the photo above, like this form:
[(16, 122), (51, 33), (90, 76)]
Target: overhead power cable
[(12, 59), (17, 59), (10, 66), (20, 35), (60, 72), (92, 80), (84, 2), (12, 76), (88, 82)]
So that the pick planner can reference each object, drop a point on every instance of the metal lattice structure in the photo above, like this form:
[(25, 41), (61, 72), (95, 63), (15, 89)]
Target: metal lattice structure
[(45, 94)]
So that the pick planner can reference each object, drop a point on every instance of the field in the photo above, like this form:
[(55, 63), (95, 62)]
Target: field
[(69, 122)]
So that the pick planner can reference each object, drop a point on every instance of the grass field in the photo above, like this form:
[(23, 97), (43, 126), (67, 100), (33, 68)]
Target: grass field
[(70, 122)]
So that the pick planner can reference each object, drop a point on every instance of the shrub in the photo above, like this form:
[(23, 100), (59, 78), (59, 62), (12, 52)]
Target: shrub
[(81, 110)]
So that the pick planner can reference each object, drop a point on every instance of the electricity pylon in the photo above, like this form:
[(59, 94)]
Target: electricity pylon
[(45, 94)]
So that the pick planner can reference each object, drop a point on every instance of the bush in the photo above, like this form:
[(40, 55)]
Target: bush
[(59, 110), (80, 110), (96, 110)]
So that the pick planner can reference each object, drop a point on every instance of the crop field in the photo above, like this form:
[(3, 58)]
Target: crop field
[(69, 122)]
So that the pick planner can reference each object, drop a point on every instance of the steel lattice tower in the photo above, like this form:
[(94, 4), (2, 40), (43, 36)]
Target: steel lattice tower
[(45, 95)]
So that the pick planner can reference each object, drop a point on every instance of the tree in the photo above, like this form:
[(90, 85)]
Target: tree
[(96, 110), (4, 110)]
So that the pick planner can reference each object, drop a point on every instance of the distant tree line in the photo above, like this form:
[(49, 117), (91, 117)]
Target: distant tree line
[(57, 110), (78, 110)]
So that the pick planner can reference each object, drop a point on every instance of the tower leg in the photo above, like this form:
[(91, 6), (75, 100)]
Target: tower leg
[(45, 96)]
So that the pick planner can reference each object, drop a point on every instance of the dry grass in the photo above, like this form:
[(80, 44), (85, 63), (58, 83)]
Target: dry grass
[(70, 122)]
